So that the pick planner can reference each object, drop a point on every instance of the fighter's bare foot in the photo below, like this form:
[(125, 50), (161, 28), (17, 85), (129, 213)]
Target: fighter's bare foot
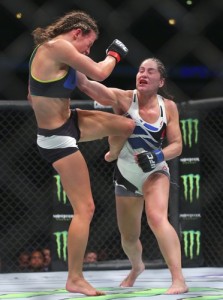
[(109, 156), (83, 287), (177, 288), (131, 278)]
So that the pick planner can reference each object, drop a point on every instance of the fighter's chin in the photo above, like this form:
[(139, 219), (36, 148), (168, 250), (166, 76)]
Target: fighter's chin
[(141, 87)]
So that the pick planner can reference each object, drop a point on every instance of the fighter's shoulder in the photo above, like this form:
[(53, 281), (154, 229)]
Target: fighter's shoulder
[(57, 43), (171, 109), (123, 95), (129, 93), (59, 46), (124, 98), (169, 104)]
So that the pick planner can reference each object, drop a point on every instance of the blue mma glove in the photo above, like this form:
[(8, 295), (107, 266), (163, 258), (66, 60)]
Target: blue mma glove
[(148, 160), (117, 49)]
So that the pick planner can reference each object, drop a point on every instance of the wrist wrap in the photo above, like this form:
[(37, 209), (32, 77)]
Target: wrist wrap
[(115, 55)]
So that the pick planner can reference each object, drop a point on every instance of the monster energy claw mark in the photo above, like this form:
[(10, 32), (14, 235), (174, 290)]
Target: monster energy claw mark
[(190, 239), (61, 242), (60, 192), (203, 293), (191, 184), (189, 131)]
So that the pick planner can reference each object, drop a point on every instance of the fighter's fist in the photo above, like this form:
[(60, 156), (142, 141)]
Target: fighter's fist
[(148, 160), (117, 49)]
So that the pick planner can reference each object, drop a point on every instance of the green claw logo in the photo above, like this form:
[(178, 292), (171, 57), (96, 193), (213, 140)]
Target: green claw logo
[(192, 243), (61, 195), (191, 186), (189, 131), (61, 242), (198, 293)]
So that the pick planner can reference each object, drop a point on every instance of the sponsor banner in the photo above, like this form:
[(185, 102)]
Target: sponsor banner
[(59, 248), (189, 164), (59, 238), (61, 204), (59, 193), (191, 187), (61, 244), (190, 193), (190, 134), (191, 240), (190, 157), (188, 161), (61, 218), (61, 196)]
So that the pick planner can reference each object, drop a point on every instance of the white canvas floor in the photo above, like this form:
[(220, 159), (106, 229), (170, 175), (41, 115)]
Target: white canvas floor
[(204, 283)]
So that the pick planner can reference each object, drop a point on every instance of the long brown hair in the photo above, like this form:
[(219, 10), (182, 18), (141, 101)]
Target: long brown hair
[(71, 20)]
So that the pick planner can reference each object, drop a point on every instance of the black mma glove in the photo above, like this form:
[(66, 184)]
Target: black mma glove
[(117, 49), (148, 160)]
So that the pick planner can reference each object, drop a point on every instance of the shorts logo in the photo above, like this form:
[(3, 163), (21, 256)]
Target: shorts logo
[(191, 186), (61, 195), (192, 243), (164, 168), (189, 131), (61, 242)]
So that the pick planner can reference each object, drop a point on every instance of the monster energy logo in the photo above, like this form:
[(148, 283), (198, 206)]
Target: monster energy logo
[(191, 185), (61, 242), (189, 131), (192, 243), (61, 195), (203, 293)]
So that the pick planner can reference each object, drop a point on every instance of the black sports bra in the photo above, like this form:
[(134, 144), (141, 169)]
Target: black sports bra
[(58, 88)]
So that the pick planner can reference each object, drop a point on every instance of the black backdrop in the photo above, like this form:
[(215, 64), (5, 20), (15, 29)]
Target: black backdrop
[(191, 49)]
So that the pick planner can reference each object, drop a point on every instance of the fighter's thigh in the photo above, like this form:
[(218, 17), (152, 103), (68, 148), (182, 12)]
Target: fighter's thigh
[(129, 213), (156, 192), (75, 179), (98, 124)]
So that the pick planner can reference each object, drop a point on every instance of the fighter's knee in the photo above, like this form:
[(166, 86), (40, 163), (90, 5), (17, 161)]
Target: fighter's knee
[(130, 239), (88, 212), (154, 220), (130, 125)]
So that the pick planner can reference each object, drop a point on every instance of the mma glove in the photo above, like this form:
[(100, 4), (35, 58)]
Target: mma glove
[(148, 160), (117, 49)]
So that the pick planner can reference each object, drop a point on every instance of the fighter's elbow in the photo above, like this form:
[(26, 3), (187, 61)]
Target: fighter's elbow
[(179, 148), (101, 76)]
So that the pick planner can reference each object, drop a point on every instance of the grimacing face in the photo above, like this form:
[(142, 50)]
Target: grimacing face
[(148, 77)]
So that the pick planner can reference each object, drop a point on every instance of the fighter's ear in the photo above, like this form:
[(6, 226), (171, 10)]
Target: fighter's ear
[(162, 81), (76, 32)]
